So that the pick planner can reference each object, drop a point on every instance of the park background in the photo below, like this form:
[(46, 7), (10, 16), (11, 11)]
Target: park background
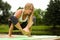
[(46, 22)]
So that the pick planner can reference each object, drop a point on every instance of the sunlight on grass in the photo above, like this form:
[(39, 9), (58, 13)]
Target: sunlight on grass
[(5, 28), (35, 29)]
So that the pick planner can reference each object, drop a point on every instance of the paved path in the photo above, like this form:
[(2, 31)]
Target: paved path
[(23, 37)]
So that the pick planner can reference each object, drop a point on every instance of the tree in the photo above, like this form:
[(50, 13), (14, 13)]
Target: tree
[(52, 16), (4, 7), (20, 8), (37, 14)]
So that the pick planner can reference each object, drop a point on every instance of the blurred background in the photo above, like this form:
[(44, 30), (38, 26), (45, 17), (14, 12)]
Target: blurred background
[(46, 16)]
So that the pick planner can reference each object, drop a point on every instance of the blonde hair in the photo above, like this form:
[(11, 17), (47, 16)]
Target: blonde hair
[(29, 5)]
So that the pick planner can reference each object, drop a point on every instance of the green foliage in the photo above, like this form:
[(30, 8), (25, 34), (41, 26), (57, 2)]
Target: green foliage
[(4, 7), (20, 8), (52, 16), (37, 13), (37, 16)]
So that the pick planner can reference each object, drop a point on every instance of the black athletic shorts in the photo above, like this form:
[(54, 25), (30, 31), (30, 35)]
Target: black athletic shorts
[(14, 20)]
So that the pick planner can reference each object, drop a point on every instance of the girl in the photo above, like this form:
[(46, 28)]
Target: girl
[(22, 20)]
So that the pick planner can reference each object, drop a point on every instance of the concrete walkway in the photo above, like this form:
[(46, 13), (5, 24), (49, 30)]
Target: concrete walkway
[(24, 37)]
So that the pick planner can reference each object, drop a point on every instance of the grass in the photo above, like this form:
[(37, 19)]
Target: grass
[(41, 27), (5, 28), (35, 29)]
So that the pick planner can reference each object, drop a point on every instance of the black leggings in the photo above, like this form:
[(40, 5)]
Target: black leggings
[(23, 25)]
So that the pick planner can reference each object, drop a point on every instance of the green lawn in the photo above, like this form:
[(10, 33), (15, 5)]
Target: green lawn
[(35, 29), (4, 28)]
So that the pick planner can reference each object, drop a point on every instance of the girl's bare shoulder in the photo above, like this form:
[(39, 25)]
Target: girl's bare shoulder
[(18, 11)]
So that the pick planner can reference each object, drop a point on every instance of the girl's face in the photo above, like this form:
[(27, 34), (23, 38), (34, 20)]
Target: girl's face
[(29, 11)]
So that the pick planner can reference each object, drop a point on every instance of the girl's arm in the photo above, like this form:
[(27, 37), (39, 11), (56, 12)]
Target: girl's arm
[(10, 30), (30, 21), (18, 13)]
